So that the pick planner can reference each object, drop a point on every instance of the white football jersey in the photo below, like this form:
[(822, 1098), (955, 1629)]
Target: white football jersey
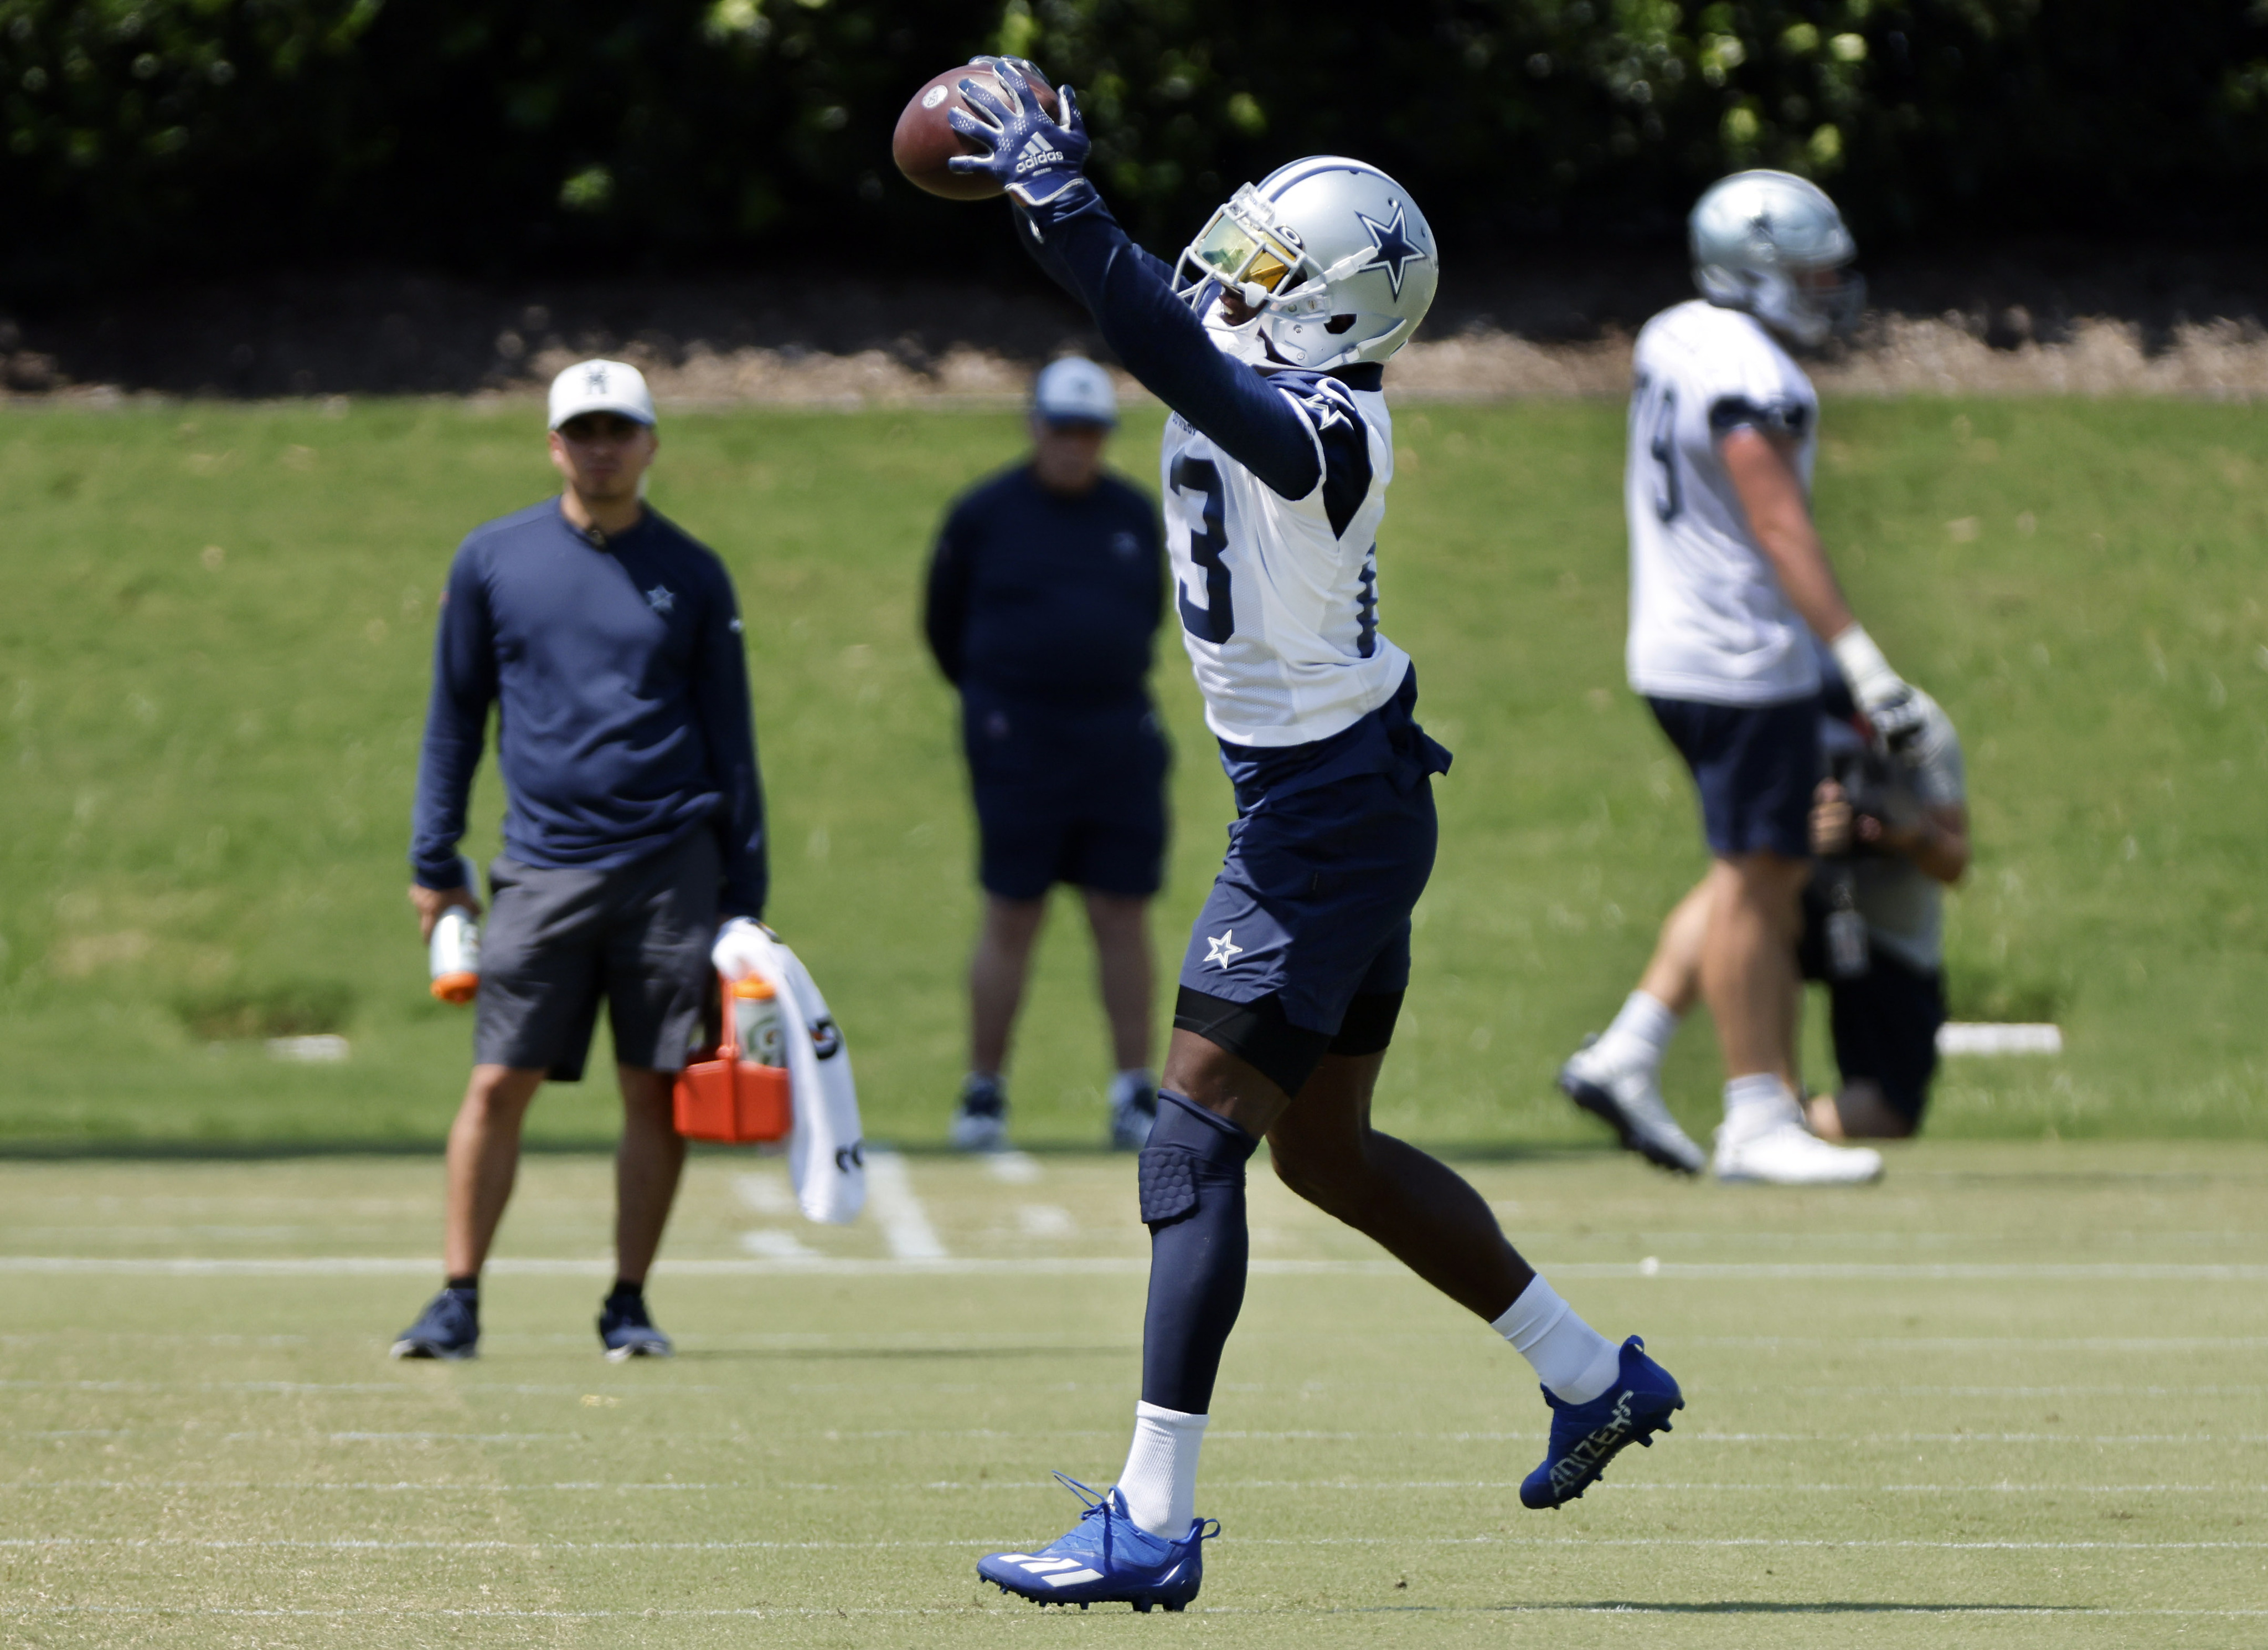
[(1708, 620), (1278, 597)]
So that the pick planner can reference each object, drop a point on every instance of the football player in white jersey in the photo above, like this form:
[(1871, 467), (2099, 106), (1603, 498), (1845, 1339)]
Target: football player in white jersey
[(1268, 342), (1727, 573)]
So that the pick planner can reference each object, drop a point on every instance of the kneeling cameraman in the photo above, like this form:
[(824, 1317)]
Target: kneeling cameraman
[(1890, 830)]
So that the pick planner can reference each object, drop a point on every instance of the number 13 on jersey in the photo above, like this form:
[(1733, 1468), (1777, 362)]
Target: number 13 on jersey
[(1199, 510)]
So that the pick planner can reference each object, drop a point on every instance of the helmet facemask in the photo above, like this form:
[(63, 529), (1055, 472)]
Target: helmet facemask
[(1797, 302), (1243, 251)]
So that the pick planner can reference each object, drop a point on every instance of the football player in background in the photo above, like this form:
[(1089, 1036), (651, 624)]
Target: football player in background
[(1726, 570), (1889, 831), (1268, 342)]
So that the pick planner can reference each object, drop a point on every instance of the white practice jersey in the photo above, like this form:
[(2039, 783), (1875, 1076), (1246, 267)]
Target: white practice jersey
[(1278, 597), (1708, 620)]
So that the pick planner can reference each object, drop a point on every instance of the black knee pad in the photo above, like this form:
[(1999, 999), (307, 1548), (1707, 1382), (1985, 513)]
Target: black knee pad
[(1190, 1150)]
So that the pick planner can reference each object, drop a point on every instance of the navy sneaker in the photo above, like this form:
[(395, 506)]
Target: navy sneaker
[(626, 1330), (450, 1326), (1585, 1437), (980, 1122), (1107, 1558)]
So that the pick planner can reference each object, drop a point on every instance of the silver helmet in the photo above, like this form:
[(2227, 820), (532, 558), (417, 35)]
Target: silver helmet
[(1332, 256), (1766, 242)]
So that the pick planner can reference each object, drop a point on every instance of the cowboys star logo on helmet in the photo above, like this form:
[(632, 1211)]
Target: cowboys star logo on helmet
[(1395, 250)]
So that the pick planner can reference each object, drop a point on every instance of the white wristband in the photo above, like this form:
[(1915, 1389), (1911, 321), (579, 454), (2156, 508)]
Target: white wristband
[(1871, 678)]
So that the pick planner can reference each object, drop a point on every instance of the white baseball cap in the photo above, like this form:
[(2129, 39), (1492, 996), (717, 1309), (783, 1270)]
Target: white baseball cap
[(590, 386), (1074, 390)]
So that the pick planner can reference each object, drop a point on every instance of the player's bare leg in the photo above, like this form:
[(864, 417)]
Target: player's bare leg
[(483, 1160), (996, 971), (1126, 977), (1124, 972), (1616, 1076), (647, 1167), (1415, 1207), (1751, 981), (1748, 961)]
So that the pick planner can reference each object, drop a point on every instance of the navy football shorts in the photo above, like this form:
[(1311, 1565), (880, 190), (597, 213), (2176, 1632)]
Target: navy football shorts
[(1310, 913), (1066, 796), (1756, 766)]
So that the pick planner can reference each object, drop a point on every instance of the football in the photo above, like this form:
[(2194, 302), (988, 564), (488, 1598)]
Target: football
[(924, 143)]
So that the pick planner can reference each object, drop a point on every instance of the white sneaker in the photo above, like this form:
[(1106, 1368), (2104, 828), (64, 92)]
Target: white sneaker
[(1784, 1153), (1628, 1099)]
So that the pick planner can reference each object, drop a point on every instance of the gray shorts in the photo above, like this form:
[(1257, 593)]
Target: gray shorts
[(558, 939)]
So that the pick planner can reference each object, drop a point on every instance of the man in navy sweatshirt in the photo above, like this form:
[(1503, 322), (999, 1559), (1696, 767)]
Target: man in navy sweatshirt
[(609, 643), (1043, 601)]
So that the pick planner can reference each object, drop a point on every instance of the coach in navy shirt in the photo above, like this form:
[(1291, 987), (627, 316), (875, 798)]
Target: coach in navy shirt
[(609, 644), (1044, 597)]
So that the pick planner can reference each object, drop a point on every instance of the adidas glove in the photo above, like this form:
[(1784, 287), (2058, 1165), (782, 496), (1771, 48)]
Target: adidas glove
[(742, 947), (1894, 707), (1033, 158)]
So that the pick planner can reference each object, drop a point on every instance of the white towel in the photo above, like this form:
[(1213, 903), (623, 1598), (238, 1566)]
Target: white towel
[(825, 1153)]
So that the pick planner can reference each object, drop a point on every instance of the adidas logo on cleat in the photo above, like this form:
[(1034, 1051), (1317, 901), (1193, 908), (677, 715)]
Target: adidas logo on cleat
[(1054, 1572)]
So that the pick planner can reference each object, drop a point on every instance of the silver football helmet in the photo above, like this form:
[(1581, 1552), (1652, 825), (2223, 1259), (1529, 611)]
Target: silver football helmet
[(1771, 243), (1332, 256)]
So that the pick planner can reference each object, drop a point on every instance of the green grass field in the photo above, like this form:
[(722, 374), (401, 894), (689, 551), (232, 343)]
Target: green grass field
[(2011, 1399), (214, 669)]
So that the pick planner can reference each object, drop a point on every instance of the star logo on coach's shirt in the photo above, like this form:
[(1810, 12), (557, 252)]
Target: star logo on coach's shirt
[(1223, 949), (661, 598), (1391, 247)]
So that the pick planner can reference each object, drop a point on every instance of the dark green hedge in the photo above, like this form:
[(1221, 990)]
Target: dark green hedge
[(147, 139)]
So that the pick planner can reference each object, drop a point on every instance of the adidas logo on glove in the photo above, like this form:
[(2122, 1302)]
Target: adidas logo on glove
[(1037, 151)]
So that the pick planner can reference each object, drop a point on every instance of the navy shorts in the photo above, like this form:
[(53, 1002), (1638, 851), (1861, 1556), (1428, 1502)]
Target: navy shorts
[(1312, 905), (1756, 766), (1884, 1021), (1075, 796)]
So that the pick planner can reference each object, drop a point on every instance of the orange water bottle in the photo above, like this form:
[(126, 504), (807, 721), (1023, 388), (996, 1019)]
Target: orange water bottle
[(455, 956)]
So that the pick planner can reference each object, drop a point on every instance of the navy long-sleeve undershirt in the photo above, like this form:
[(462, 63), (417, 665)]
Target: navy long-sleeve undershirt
[(624, 693), (1161, 342)]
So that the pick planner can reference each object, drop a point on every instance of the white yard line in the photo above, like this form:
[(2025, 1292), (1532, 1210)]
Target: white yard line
[(1012, 1168), (904, 1222)]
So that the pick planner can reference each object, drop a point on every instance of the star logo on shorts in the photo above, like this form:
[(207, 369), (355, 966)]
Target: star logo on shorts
[(661, 598), (1224, 949)]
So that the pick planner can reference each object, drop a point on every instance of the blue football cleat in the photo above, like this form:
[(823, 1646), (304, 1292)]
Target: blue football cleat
[(450, 1328), (1108, 1558), (626, 1330), (1585, 1437)]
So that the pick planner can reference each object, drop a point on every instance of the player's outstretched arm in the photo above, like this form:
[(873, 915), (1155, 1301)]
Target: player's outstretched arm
[(1780, 517), (1066, 225)]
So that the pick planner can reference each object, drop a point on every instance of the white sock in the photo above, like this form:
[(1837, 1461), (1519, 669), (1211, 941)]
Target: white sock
[(1161, 1480), (1641, 1034), (1757, 1102), (1573, 1360)]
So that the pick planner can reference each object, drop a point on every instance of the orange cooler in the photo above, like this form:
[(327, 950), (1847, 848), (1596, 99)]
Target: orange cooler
[(730, 1100)]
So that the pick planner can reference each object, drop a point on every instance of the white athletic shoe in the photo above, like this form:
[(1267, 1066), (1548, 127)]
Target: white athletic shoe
[(1783, 1153), (1628, 1099)]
